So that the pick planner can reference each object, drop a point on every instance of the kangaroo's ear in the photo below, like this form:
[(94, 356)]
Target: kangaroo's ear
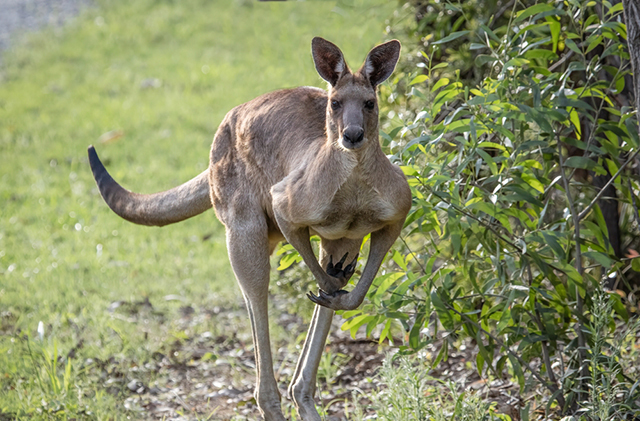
[(381, 62), (328, 59)]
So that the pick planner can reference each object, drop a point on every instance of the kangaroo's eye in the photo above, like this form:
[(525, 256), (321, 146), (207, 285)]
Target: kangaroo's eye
[(369, 105), (335, 104)]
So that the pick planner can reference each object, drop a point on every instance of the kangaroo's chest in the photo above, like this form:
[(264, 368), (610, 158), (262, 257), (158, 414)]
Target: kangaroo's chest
[(356, 210)]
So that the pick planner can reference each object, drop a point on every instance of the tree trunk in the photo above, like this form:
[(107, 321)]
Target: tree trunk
[(632, 19)]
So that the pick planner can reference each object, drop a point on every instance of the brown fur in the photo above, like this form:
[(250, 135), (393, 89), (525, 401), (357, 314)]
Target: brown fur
[(287, 165)]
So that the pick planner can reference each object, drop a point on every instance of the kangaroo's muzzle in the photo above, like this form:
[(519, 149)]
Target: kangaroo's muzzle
[(352, 137)]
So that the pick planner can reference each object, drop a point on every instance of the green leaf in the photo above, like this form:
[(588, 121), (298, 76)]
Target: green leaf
[(537, 117), (489, 32), (616, 8), (479, 363), (414, 335), (530, 11), (551, 239), (575, 120), (354, 324), (483, 59), (600, 258), (445, 316), (489, 160), (451, 37), (632, 128), (443, 354), (516, 62), (572, 46), (410, 170), (385, 283), (540, 53), (572, 102), (440, 83), (486, 356), (385, 332), (532, 163), (521, 195), (531, 180), (491, 145), (594, 42), (554, 28), (372, 324), (584, 163), (494, 212), (505, 319), (618, 306), (399, 259), (517, 371), (456, 238), (289, 259), (419, 79)]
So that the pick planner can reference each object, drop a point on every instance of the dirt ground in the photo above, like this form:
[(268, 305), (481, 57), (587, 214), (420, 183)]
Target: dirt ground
[(212, 376)]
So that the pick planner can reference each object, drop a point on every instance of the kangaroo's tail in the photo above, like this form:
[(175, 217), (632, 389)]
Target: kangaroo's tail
[(175, 205)]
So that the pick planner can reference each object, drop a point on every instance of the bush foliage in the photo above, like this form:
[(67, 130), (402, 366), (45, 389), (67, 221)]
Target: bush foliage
[(515, 127)]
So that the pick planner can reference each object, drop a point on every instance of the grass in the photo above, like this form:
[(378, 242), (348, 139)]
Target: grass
[(163, 75)]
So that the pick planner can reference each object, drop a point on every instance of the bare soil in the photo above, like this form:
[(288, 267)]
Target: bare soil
[(212, 376)]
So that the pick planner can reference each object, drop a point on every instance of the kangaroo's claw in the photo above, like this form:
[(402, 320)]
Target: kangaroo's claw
[(351, 267), (337, 271), (317, 300), (325, 299)]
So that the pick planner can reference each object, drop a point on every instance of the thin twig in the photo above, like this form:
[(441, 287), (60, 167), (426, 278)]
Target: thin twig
[(500, 12), (562, 60), (448, 110), (546, 355), (572, 207), (576, 227), (415, 256)]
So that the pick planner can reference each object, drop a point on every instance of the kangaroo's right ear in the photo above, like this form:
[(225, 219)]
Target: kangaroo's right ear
[(381, 62), (328, 59)]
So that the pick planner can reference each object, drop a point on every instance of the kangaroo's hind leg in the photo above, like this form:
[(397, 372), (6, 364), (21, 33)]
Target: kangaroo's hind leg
[(303, 383), (248, 245)]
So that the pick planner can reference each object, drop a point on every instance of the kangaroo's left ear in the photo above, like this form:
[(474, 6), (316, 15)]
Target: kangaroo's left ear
[(328, 59), (381, 61)]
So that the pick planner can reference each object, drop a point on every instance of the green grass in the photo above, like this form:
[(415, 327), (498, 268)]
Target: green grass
[(64, 257)]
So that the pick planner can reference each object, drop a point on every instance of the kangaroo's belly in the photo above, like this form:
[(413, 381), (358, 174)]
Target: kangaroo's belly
[(347, 229), (354, 223)]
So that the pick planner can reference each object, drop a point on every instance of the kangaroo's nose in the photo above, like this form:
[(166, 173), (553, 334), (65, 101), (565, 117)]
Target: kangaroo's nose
[(353, 134)]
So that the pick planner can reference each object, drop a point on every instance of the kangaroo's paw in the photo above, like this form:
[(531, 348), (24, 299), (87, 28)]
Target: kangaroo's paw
[(339, 300)]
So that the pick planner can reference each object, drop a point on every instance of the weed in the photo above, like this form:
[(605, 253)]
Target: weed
[(406, 392), (611, 393)]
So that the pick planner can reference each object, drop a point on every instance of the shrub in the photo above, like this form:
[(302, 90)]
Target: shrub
[(513, 161)]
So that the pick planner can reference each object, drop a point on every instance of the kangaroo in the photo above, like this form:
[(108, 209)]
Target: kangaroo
[(285, 166)]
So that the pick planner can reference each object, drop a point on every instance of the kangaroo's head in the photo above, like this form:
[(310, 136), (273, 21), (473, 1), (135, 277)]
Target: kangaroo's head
[(352, 110)]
